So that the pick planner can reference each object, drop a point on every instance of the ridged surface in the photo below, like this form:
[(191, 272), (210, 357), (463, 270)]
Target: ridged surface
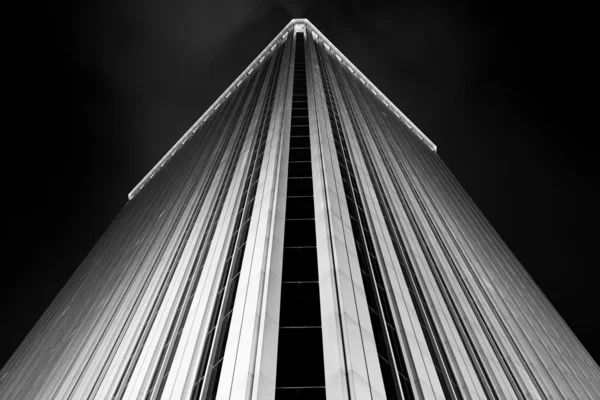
[(303, 189)]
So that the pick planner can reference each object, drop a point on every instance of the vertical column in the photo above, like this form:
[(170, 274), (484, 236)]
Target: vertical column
[(398, 309), (241, 344), (194, 365), (352, 368), (300, 372)]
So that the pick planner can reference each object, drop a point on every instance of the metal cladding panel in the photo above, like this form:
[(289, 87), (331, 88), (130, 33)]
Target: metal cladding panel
[(325, 197), (360, 363), (302, 240)]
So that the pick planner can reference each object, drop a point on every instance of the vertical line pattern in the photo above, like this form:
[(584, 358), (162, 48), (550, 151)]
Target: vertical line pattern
[(483, 376), (300, 365), (174, 335), (183, 306), (393, 367), (465, 290), (147, 314), (209, 369)]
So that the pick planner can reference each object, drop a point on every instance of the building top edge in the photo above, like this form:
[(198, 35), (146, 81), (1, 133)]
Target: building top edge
[(209, 111), (344, 60), (293, 24)]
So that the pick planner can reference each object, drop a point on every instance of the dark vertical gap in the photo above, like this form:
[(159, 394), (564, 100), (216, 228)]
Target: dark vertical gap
[(393, 367), (300, 365)]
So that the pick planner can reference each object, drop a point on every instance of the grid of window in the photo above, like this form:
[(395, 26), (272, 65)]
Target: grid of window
[(300, 368), (393, 368)]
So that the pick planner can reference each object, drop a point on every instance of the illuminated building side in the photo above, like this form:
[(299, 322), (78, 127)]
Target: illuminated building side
[(302, 240)]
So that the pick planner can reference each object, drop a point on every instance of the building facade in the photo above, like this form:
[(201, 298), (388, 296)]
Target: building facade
[(302, 240)]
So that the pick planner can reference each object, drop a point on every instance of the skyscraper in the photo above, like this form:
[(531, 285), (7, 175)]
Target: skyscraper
[(302, 240)]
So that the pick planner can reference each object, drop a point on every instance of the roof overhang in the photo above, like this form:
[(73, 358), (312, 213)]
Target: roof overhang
[(297, 25)]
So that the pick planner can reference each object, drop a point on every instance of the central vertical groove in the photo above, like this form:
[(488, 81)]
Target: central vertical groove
[(300, 368)]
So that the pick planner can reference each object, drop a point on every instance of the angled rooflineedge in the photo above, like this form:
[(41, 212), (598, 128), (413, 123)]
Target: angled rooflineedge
[(342, 58), (298, 25)]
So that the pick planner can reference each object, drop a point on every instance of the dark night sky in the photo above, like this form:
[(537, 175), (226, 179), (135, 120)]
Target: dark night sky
[(100, 90)]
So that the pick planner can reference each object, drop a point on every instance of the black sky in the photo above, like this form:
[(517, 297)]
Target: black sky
[(100, 90)]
